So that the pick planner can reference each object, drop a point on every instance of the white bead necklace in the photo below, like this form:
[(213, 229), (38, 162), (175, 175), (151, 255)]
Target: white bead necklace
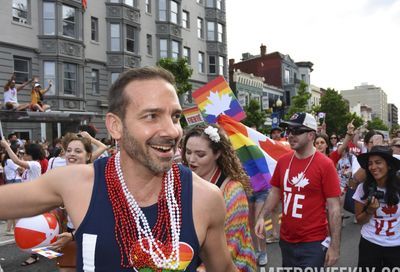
[(142, 225)]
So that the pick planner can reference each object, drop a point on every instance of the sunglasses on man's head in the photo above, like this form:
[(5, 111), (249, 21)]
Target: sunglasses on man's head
[(297, 130), (333, 137)]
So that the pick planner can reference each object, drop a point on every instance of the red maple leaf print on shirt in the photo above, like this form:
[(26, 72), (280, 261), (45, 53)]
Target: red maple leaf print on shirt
[(390, 209)]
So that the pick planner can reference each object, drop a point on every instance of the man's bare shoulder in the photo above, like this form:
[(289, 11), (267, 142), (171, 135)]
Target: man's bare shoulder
[(205, 194)]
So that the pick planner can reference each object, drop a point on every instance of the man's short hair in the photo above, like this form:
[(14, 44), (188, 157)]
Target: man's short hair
[(117, 97)]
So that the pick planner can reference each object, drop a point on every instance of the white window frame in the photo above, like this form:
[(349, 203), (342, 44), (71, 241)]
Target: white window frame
[(200, 59), (163, 48), (18, 13), (212, 64), (185, 19), (130, 39), (94, 29), (72, 79), (73, 23), (49, 73), (174, 10), (220, 35), (210, 31), (186, 54), (148, 6), (21, 72), (175, 49), (200, 28), (115, 37), (162, 10), (95, 78), (49, 21), (149, 44), (221, 65)]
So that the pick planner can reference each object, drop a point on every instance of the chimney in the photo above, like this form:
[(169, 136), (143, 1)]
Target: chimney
[(263, 50)]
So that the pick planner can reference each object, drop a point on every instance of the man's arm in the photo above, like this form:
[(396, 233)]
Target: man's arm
[(33, 197), (20, 87), (269, 204), (335, 226)]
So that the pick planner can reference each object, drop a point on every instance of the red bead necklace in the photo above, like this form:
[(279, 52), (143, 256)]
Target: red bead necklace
[(126, 232)]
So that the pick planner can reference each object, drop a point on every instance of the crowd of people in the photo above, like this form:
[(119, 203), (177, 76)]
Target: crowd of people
[(137, 205)]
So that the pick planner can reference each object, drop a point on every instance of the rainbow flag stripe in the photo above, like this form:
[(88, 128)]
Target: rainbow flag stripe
[(217, 86), (257, 152)]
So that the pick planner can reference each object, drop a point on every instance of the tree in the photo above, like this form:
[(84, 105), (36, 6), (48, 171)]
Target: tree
[(376, 124), (300, 101), (337, 112), (255, 117), (181, 70)]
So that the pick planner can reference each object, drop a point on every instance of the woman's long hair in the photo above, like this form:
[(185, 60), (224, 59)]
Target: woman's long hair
[(392, 185), (228, 161), (326, 139)]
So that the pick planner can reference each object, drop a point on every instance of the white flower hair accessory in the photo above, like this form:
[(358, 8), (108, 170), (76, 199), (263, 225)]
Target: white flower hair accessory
[(212, 132)]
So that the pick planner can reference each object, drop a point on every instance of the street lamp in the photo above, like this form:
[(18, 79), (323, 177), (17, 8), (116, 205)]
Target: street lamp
[(276, 115)]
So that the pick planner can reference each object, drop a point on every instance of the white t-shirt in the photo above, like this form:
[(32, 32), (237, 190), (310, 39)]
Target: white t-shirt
[(384, 226), (56, 162), (11, 96), (34, 171), (10, 170)]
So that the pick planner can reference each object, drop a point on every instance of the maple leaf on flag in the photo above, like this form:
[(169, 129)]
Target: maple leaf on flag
[(299, 181), (219, 104), (390, 209)]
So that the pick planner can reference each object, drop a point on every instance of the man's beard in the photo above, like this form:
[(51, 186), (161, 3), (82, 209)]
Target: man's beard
[(137, 152)]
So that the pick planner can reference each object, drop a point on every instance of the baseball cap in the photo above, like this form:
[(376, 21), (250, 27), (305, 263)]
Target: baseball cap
[(301, 119), (36, 85)]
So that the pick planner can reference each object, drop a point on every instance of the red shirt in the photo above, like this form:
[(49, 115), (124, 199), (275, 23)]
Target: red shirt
[(304, 216), (44, 163)]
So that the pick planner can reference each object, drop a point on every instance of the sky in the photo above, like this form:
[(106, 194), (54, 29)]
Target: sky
[(350, 42)]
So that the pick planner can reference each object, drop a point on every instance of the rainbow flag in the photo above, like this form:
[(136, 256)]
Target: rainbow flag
[(192, 115), (257, 152), (215, 98)]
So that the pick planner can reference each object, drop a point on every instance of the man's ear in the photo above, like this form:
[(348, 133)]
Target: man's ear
[(114, 125)]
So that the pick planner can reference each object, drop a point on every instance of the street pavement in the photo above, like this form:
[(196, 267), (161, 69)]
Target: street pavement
[(11, 257)]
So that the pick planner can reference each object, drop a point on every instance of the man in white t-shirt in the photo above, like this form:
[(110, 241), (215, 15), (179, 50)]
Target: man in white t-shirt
[(10, 95)]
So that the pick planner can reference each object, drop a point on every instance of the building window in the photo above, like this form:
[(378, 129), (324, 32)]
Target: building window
[(175, 49), (210, 3), (94, 24), (115, 37), (20, 11), (69, 20), (219, 4), (70, 78), (220, 32), (130, 38), (114, 77), (149, 44), (22, 69), (186, 54), (201, 62), (221, 62), (200, 32), (162, 10), (49, 18), (95, 81), (212, 64), (129, 2), (163, 48), (210, 31), (148, 6), (49, 72), (185, 19), (287, 76), (174, 12)]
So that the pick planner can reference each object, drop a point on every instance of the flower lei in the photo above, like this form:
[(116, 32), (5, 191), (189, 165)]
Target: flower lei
[(140, 246), (212, 133)]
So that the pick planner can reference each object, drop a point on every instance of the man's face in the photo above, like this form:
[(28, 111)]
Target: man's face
[(299, 137), (151, 127), (276, 135)]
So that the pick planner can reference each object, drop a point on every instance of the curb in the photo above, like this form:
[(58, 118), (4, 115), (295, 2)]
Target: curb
[(7, 242)]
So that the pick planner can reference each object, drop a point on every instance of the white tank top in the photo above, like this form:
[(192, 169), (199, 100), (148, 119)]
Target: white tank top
[(10, 95)]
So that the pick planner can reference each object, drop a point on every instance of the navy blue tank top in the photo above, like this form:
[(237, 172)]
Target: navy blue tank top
[(97, 248)]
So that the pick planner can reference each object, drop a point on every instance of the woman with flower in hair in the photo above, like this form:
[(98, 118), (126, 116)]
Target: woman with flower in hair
[(206, 150)]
